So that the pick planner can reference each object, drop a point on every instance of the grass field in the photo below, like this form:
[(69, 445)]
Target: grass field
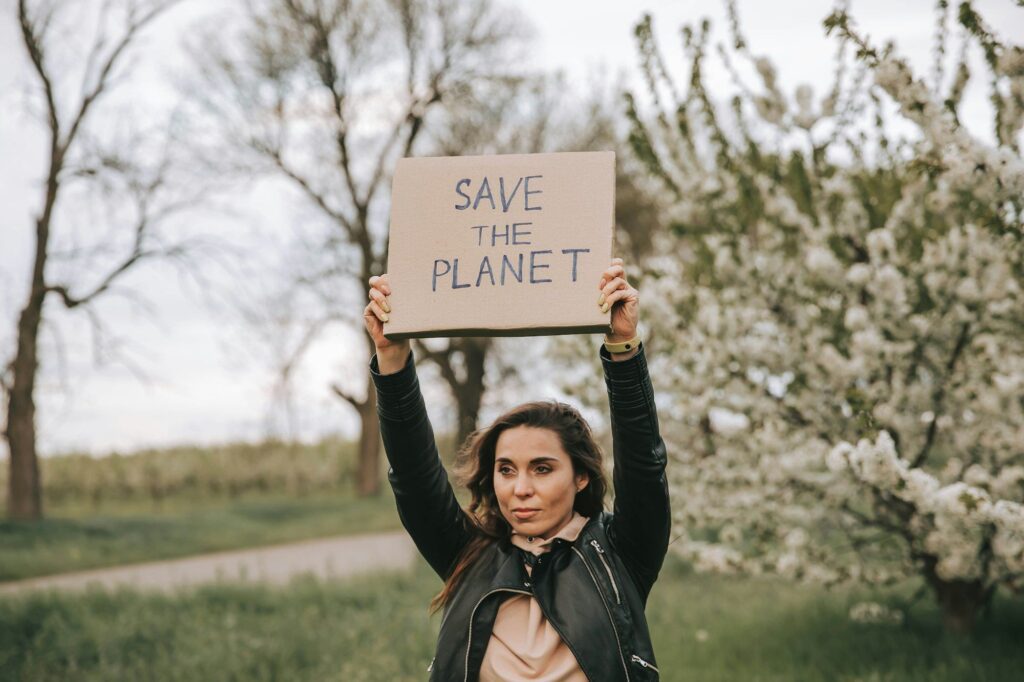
[(131, 531), (174, 502), (377, 628)]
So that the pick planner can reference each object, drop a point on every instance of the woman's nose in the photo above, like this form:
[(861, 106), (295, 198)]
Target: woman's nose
[(523, 487)]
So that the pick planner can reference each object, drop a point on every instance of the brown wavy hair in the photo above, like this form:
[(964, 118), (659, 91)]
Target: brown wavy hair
[(474, 469)]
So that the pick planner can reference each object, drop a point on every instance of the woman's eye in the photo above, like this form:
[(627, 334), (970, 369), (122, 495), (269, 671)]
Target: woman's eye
[(505, 470), (543, 469)]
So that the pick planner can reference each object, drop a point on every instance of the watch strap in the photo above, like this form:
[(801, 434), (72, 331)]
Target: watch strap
[(623, 346)]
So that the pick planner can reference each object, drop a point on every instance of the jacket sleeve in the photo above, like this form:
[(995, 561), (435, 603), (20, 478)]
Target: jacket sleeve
[(642, 517), (426, 503)]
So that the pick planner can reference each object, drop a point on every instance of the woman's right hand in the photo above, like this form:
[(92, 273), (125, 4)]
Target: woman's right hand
[(391, 355)]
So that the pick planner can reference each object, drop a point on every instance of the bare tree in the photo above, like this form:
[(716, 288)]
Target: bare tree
[(327, 95), (75, 156)]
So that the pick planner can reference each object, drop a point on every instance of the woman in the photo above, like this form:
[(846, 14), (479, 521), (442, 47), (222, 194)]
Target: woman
[(540, 583)]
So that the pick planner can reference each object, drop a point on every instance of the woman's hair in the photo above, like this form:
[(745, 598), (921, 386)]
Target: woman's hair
[(474, 469)]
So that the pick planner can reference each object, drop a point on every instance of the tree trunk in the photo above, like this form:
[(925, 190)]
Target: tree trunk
[(961, 602), (24, 487), (368, 471), (469, 393)]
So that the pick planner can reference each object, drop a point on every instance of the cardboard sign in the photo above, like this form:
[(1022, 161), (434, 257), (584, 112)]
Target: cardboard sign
[(510, 245)]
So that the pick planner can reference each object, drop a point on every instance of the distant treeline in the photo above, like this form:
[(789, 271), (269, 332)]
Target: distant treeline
[(220, 471)]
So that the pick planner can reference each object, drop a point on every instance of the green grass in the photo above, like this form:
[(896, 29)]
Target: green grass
[(377, 628), (767, 630), (309, 631), (133, 531)]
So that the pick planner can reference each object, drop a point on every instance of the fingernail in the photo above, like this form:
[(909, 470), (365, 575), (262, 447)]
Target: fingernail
[(600, 301), (604, 308), (387, 308), (384, 317)]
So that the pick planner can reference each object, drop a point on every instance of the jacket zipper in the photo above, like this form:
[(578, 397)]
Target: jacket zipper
[(430, 668), (611, 578), (607, 609), (644, 663), (472, 614)]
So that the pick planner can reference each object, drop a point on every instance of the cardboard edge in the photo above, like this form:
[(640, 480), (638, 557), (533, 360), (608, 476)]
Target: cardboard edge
[(478, 331), (474, 158)]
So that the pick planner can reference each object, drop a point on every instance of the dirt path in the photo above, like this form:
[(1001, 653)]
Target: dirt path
[(337, 557)]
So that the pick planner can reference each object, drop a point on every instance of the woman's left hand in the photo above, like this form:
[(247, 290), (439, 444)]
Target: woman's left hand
[(623, 301)]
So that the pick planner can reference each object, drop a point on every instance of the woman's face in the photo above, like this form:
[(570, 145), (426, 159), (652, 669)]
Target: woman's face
[(534, 481)]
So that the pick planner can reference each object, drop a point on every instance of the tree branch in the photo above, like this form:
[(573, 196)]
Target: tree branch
[(33, 33), (348, 397), (442, 358), (103, 78), (137, 254), (319, 51), (940, 395), (318, 198), (8, 369)]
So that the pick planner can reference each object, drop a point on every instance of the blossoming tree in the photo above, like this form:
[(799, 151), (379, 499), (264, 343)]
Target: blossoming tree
[(845, 362)]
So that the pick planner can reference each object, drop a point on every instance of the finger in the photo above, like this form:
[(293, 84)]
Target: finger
[(378, 311), (618, 295), (613, 285), (381, 299), (369, 319), (625, 294), (617, 261), (611, 273), (381, 282), (614, 271)]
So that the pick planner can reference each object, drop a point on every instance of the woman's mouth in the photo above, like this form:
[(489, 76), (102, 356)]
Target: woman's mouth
[(524, 514)]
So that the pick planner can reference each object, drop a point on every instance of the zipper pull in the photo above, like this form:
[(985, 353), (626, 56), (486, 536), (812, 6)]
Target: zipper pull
[(596, 546), (644, 664), (430, 668)]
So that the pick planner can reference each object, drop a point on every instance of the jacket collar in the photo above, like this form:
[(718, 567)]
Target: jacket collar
[(538, 546)]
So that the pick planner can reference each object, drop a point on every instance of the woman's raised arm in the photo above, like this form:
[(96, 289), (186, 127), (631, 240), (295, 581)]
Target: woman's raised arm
[(426, 502), (642, 517)]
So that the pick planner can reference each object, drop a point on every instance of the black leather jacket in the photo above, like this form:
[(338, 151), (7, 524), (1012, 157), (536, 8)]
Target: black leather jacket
[(594, 590)]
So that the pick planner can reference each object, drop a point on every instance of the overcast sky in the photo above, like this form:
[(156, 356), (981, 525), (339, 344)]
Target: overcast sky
[(202, 385)]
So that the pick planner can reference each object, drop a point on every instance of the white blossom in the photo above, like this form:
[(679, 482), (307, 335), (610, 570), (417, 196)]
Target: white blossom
[(856, 318), (880, 244), (727, 422), (796, 538), (919, 486), (858, 274), (874, 613), (788, 564), (822, 262), (877, 463), (714, 558)]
